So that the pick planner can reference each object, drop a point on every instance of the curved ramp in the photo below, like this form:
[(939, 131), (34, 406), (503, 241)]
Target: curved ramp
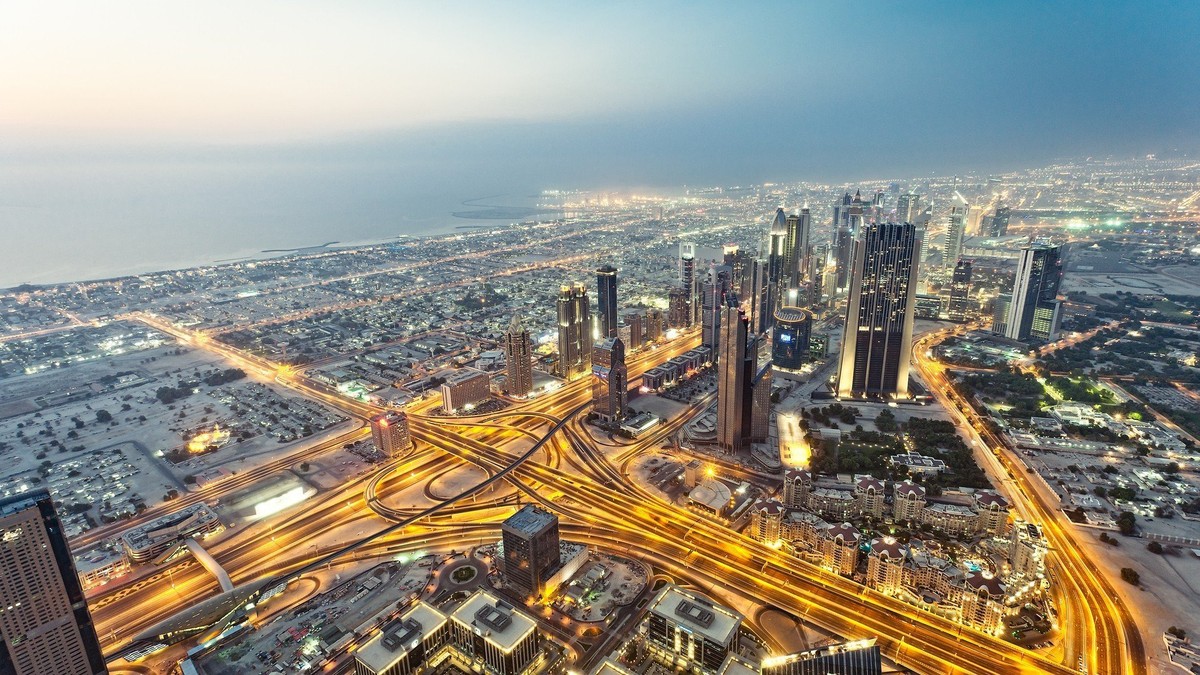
[(214, 568)]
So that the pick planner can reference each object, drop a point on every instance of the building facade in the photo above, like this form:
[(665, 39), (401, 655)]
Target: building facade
[(961, 306), (531, 549), (606, 302), (390, 433), (518, 354), (465, 388), (574, 331), (879, 315), (46, 628), (1033, 311), (610, 384), (790, 340)]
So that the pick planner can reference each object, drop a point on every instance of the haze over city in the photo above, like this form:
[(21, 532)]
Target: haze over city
[(183, 135), (599, 339)]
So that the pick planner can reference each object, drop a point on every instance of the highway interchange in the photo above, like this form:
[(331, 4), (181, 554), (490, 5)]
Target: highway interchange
[(588, 486)]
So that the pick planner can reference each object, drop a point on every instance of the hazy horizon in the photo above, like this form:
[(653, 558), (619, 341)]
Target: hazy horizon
[(143, 135)]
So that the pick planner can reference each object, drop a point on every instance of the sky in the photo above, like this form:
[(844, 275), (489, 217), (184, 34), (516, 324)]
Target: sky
[(158, 114)]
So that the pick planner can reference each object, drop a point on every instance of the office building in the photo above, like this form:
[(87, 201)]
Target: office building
[(861, 657), (406, 646), (908, 207), (790, 340), (493, 638), (796, 265), (606, 302), (389, 430), (880, 311), (735, 373), (998, 225), (716, 291), (848, 218), (962, 308), (1033, 311), (679, 307), (759, 427), (610, 395), (531, 550), (464, 389), (956, 230), (518, 354), (574, 331), (687, 632), (777, 253), (45, 625)]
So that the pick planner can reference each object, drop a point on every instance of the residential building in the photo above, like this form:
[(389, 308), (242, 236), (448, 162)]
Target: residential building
[(45, 628), (574, 331)]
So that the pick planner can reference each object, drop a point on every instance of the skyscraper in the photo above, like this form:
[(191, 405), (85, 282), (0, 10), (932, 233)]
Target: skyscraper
[(45, 627), (610, 380), (956, 226), (687, 278), (716, 292), (961, 308), (519, 358), (762, 301), (1033, 311), (606, 302), (679, 308), (842, 241), (390, 433), (531, 549), (799, 229), (908, 206), (879, 315), (998, 226), (574, 331), (734, 379), (790, 340)]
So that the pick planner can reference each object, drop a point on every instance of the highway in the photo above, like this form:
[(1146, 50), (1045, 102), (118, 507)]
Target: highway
[(1099, 626), (597, 495)]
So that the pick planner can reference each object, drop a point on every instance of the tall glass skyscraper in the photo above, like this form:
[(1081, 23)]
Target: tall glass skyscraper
[(1033, 311), (880, 310), (606, 302), (574, 331)]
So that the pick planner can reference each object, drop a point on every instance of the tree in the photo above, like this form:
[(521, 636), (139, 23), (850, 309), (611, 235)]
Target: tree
[(1155, 548), (1130, 575), (103, 416), (1125, 523)]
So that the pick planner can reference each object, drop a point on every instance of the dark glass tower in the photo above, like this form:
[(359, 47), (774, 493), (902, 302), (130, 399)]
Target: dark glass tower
[(961, 307), (1033, 310), (531, 551), (606, 302), (574, 331), (879, 312), (46, 627)]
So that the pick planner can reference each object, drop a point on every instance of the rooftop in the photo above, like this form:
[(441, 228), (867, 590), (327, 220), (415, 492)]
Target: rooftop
[(401, 636), (530, 520), (697, 613), (494, 619)]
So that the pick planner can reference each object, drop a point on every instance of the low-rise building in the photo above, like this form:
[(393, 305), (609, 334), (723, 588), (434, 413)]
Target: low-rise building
[(146, 542)]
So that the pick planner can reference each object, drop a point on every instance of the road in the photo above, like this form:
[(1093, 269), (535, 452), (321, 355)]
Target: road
[(1104, 634), (598, 503)]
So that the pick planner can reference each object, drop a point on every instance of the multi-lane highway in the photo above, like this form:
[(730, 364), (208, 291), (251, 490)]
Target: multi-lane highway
[(572, 475)]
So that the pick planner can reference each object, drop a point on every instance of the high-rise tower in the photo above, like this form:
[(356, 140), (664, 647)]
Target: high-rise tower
[(879, 314), (799, 228), (908, 206), (574, 331), (998, 226), (735, 379), (519, 358), (961, 308), (45, 626), (610, 380), (1033, 311), (956, 229), (606, 302), (531, 549), (716, 291)]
